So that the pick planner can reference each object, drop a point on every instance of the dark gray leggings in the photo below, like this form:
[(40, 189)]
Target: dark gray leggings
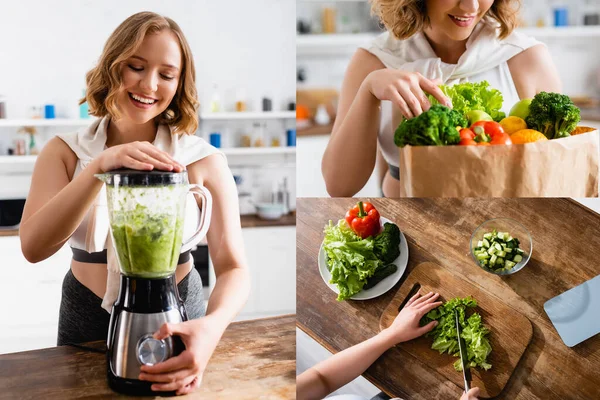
[(82, 318)]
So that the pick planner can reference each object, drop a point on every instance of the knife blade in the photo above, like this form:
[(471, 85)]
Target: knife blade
[(462, 347)]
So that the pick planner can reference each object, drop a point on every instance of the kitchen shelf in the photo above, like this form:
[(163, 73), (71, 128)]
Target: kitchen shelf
[(333, 44), (248, 115), (45, 122), (562, 31), (236, 151)]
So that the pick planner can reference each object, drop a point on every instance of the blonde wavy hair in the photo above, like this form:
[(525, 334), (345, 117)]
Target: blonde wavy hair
[(404, 18), (104, 80)]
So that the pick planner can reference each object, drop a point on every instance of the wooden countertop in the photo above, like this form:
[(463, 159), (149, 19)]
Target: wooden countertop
[(252, 221), (254, 360), (247, 221), (565, 235)]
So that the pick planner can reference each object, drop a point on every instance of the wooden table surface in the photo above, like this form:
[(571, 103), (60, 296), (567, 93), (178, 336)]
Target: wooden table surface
[(566, 239), (254, 360)]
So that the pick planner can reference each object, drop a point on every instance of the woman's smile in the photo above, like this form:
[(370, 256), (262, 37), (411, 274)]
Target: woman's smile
[(462, 20), (141, 101)]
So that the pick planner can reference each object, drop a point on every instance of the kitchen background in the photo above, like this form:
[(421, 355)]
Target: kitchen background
[(245, 60), (329, 32)]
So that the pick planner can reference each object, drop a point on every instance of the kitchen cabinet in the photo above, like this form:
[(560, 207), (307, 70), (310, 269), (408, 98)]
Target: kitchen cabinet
[(310, 182), (271, 255), (36, 288)]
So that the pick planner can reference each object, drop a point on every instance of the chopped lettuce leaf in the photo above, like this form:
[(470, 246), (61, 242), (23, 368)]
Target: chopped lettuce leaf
[(473, 331), (469, 96)]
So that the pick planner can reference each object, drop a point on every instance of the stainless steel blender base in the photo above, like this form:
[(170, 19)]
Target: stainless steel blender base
[(134, 346)]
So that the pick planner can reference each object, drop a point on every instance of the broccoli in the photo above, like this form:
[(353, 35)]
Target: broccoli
[(386, 244), (553, 114), (435, 127)]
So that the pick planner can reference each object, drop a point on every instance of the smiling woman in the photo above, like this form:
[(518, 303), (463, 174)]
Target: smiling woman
[(143, 90)]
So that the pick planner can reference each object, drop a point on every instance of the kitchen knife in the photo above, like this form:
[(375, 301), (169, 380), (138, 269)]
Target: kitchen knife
[(462, 347)]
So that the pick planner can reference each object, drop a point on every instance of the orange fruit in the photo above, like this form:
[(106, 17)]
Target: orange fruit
[(302, 112), (527, 136), (513, 124)]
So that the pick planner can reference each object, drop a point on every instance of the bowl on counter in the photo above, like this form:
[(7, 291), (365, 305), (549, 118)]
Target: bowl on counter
[(516, 230), (270, 211)]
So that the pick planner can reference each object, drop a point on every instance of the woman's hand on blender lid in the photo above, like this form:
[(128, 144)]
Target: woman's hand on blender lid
[(137, 155)]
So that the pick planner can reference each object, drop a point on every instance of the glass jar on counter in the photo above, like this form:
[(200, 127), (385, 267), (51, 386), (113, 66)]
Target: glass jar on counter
[(258, 135)]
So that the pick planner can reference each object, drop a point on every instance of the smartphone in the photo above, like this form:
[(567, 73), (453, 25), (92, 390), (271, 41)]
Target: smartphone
[(574, 313)]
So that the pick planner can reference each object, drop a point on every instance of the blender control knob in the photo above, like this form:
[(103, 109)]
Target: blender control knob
[(151, 351)]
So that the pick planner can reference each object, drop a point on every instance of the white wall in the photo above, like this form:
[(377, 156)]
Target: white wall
[(47, 47)]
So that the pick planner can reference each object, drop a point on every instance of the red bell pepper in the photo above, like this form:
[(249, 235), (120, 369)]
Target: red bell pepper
[(363, 218), (490, 132)]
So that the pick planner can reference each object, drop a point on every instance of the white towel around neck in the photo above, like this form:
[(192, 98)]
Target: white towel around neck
[(484, 51), (87, 144)]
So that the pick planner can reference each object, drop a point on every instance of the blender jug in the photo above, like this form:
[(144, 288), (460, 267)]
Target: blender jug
[(146, 214)]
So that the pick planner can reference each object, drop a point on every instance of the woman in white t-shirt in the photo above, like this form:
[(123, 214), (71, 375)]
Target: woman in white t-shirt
[(333, 373), (427, 43)]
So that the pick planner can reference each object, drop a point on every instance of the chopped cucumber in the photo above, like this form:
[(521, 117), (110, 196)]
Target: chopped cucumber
[(498, 251)]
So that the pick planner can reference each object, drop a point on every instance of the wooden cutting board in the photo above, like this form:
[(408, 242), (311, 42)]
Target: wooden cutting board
[(510, 334)]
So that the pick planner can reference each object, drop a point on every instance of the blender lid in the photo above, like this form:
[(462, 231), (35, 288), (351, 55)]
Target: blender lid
[(134, 177)]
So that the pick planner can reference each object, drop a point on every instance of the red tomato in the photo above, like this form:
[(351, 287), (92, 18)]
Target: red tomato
[(466, 133)]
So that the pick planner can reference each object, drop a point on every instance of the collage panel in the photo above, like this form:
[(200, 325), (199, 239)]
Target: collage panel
[(378, 310), (410, 98)]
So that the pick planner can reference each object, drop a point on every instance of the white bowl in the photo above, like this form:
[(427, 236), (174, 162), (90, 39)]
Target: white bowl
[(270, 211)]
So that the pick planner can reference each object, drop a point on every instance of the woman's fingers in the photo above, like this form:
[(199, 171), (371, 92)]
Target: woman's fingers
[(143, 156), (191, 387), (166, 377), (132, 163), (159, 154), (172, 364), (413, 103), (424, 309), (422, 299), (399, 101), (166, 387), (433, 89), (412, 299)]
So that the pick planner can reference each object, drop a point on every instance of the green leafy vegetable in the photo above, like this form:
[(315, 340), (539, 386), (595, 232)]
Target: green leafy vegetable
[(387, 243), (553, 114), (468, 96), (350, 259), (435, 127), (473, 331)]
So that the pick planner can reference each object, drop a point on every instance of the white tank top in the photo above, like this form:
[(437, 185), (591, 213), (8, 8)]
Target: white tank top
[(485, 59)]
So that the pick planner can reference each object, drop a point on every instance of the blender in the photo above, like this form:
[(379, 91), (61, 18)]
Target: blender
[(146, 214)]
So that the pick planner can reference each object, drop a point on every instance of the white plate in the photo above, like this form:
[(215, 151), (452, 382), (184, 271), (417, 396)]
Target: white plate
[(386, 284)]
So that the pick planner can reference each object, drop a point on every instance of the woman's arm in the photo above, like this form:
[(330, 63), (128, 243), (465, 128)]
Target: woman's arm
[(225, 241), (345, 366), (533, 71), (55, 206), (350, 155)]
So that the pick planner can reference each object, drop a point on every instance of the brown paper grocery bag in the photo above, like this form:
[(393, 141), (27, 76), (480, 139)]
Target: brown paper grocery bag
[(566, 167)]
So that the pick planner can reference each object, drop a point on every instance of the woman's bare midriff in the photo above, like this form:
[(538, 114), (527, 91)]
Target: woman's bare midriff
[(93, 276), (390, 186)]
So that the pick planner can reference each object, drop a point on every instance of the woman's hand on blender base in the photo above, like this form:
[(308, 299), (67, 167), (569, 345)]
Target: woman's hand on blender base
[(471, 394), (405, 89), (183, 373), (406, 325), (137, 155)]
